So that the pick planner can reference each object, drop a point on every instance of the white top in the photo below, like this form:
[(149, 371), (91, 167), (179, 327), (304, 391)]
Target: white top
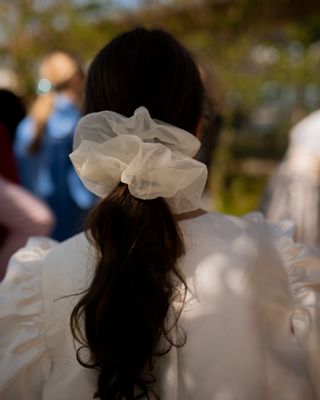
[(252, 317)]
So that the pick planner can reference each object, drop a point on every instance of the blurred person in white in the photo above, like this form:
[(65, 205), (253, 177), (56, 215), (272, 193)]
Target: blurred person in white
[(294, 190), (44, 140), (158, 298)]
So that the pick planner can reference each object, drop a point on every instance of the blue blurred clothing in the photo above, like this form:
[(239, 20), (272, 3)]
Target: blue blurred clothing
[(49, 173)]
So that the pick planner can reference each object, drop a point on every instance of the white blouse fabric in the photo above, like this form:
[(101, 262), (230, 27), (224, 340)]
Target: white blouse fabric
[(251, 317)]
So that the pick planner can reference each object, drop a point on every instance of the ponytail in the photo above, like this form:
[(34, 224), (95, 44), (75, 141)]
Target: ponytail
[(128, 311)]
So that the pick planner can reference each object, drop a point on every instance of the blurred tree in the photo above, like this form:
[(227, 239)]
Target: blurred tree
[(31, 28)]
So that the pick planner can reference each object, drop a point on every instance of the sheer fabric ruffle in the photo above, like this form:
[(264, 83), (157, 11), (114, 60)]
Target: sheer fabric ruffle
[(25, 364), (302, 265)]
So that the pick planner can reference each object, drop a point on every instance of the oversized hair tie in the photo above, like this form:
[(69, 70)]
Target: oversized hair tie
[(153, 158)]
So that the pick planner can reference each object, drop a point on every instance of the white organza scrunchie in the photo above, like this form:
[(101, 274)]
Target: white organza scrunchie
[(153, 158)]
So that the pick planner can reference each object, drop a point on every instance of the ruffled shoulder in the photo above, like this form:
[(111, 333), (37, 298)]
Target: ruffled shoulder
[(23, 358), (302, 265)]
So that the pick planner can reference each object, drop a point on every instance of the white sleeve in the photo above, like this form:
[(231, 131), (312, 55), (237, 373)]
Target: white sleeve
[(24, 362), (302, 264)]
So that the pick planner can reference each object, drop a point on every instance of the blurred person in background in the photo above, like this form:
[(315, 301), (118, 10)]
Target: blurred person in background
[(294, 190), (44, 140), (21, 214)]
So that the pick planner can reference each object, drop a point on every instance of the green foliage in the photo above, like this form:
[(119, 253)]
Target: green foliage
[(240, 194)]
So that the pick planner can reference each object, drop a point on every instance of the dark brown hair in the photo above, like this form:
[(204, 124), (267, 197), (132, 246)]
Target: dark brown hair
[(127, 310)]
